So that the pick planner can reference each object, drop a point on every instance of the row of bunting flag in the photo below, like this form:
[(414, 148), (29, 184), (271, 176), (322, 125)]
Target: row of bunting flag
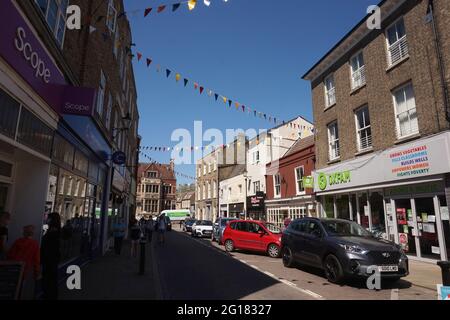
[(211, 93), (191, 5), (196, 85), (178, 174)]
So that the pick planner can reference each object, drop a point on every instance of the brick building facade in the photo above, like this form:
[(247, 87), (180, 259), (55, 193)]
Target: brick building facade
[(381, 112), (287, 197), (156, 189)]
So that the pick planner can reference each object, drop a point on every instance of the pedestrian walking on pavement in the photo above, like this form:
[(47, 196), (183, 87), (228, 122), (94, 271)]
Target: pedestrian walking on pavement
[(135, 235), (50, 256), (26, 250), (162, 227), (149, 227), (5, 218), (119, 234)]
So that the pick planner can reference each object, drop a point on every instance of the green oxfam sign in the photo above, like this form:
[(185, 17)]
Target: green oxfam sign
[(325, 180), (308, 182)]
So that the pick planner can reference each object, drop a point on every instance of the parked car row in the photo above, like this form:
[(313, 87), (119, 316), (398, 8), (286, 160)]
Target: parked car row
[(341, 248)]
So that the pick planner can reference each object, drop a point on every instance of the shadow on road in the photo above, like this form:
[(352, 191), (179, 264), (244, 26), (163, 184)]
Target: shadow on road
[(190, 269)]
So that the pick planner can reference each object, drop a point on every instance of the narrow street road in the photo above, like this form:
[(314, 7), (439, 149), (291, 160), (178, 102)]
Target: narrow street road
[(191, 268)]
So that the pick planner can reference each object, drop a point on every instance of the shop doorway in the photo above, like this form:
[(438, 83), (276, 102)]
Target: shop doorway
[(443, 208), (405, 225), (3, 196)]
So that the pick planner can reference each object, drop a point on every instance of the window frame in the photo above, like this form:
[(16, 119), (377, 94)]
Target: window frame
[(275, 185), (359, 130), (328, 103), (59, 15), (361, 70), (297, 180), (111, 7), (389, 46), (101, 94), (397, 121), (336, 141)]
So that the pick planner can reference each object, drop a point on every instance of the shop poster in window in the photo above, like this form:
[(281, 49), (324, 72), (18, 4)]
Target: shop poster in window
[(401, 216), (403, 239)]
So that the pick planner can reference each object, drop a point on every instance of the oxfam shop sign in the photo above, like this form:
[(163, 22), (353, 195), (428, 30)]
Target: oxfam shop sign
[(326, 180)]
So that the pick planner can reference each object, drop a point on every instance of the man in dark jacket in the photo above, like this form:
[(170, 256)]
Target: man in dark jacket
[(50, 256)]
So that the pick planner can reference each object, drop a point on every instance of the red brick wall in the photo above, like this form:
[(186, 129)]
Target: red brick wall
[(286, 169)]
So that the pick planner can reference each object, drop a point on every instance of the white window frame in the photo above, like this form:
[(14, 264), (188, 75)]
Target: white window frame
[(330, 94), (333, 155), (59, 15), (101, 93), (111, 17), (397, 121), (297, 180), (256, 186), (277, 185), (401, 44), (358, 76), (360, 130), (108, 111)]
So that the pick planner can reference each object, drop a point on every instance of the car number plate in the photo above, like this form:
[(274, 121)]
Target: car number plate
[(388, 268)]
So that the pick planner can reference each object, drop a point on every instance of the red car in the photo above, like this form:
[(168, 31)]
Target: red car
[(253, 235)]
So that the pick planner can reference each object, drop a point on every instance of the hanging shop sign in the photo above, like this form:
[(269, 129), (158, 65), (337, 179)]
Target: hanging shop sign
[(419, 159), (256, 202), (308, 182), (119, 158)]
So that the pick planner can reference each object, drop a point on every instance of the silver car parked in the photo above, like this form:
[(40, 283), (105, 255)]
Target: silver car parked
[(219, 227)]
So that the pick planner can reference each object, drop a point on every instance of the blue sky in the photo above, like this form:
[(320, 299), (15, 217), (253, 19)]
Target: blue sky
[(251, 51)]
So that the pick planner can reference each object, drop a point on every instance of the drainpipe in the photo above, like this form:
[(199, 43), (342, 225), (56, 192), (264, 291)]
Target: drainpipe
[(444, 86)]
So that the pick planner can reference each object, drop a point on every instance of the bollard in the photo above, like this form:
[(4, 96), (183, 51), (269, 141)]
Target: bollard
[(142, 257), (445, 268)]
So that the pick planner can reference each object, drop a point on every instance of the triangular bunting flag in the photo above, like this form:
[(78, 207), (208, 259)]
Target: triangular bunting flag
[(195, 85), (177, 77), (192, 4), (175, 7), (216, 96), (237, 105), (168, 72), (186, 82), (147, 11), (224, 99), (243, 108), (207, 2), (139, 56), (161, 8), (201, 90), (229, 103), (210, 93), (149, 61)]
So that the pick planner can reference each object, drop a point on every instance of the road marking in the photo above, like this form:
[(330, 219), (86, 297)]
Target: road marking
[(394, 294), (269, 274), (254, 267)]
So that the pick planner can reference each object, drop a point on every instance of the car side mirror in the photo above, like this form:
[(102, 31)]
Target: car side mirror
[(261, 232)]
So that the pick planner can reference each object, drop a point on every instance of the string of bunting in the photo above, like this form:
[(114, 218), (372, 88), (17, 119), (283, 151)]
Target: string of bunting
[(191, 5), (168, 72), (213, 94), (179, 174)]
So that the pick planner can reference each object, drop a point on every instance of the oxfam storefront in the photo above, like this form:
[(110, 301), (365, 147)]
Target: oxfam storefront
[(398, 193)]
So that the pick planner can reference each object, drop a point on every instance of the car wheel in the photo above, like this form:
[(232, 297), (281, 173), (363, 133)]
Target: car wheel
[(273, 250), (287, 257), (229, 245), (333, 269)]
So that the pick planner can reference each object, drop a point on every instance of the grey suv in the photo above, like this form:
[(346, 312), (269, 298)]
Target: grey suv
[(219, 227), (342, 249)]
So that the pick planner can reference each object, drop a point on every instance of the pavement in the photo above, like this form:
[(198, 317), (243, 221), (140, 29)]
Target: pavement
[(186, 268), (115, 277)]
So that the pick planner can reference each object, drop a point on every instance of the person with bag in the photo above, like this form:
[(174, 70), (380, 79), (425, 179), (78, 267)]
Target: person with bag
[(135, 235), (149, 227), (162, 227)]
